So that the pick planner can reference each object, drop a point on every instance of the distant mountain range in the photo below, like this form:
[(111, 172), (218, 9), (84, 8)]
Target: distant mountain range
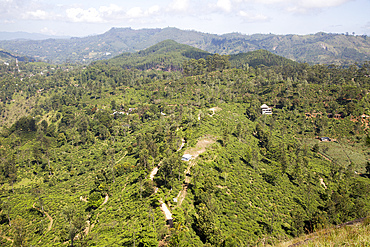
[(316, 48), (28, 36)]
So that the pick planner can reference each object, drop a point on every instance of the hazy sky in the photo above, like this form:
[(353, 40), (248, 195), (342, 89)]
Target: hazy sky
[(86, 17)]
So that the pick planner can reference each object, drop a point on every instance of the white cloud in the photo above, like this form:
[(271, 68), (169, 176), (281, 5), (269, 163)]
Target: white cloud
[(224, 5), (265, 2), (110, 10), (252, 17), (179, 5), (274, 1), (137, 12), (38, 15), (298, 5), (153, 10), (321, 3), (109, 13), (8, 21), (6, 6), (84, 15), (15, 8), (311, 3)]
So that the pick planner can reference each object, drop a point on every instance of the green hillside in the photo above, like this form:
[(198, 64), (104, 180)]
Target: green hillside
[(92, 155), (260, 57), (8, 57), (166, 55), (169, 55), (352, 233), (319, 48)]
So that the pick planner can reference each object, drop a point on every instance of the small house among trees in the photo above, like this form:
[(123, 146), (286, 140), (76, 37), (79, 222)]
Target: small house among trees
[(265, 109), (335, 116), (186, 157), (325, 139)]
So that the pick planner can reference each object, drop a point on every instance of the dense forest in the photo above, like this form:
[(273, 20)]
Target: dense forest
[(91, 155)]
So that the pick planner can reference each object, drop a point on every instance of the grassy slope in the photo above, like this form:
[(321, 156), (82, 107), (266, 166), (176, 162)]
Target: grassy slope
[(19, 107), (348, 235)]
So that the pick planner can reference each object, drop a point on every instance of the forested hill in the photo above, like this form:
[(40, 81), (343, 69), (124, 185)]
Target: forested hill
[(314, 48), (169, 55), (6, 56), (166, 55), (259, 57)]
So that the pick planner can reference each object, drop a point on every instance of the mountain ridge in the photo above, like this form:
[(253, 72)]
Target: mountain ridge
[(169, 55), (28, 36), (322, 48)]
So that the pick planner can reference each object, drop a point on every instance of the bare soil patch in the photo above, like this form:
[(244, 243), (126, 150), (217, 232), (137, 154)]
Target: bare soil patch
[(214, 110), (201, 146), (166, 211)]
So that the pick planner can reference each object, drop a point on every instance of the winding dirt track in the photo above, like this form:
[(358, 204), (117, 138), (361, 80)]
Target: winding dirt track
[(105, 200), (200, 148), (154, 171), (121, 157), (47, 215), (91, 226), (167, 213), (164, 208)]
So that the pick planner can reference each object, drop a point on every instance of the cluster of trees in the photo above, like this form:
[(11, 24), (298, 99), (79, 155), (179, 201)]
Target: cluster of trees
[(200, 66), (167, 55), (97, 132)]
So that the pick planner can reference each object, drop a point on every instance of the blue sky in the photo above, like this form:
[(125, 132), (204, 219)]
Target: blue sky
[(87, 17)]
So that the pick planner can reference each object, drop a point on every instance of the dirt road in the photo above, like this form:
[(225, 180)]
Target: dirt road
[(47, 215), (166, 211)]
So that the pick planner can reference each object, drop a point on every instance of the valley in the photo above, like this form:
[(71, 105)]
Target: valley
[(91, 154)]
